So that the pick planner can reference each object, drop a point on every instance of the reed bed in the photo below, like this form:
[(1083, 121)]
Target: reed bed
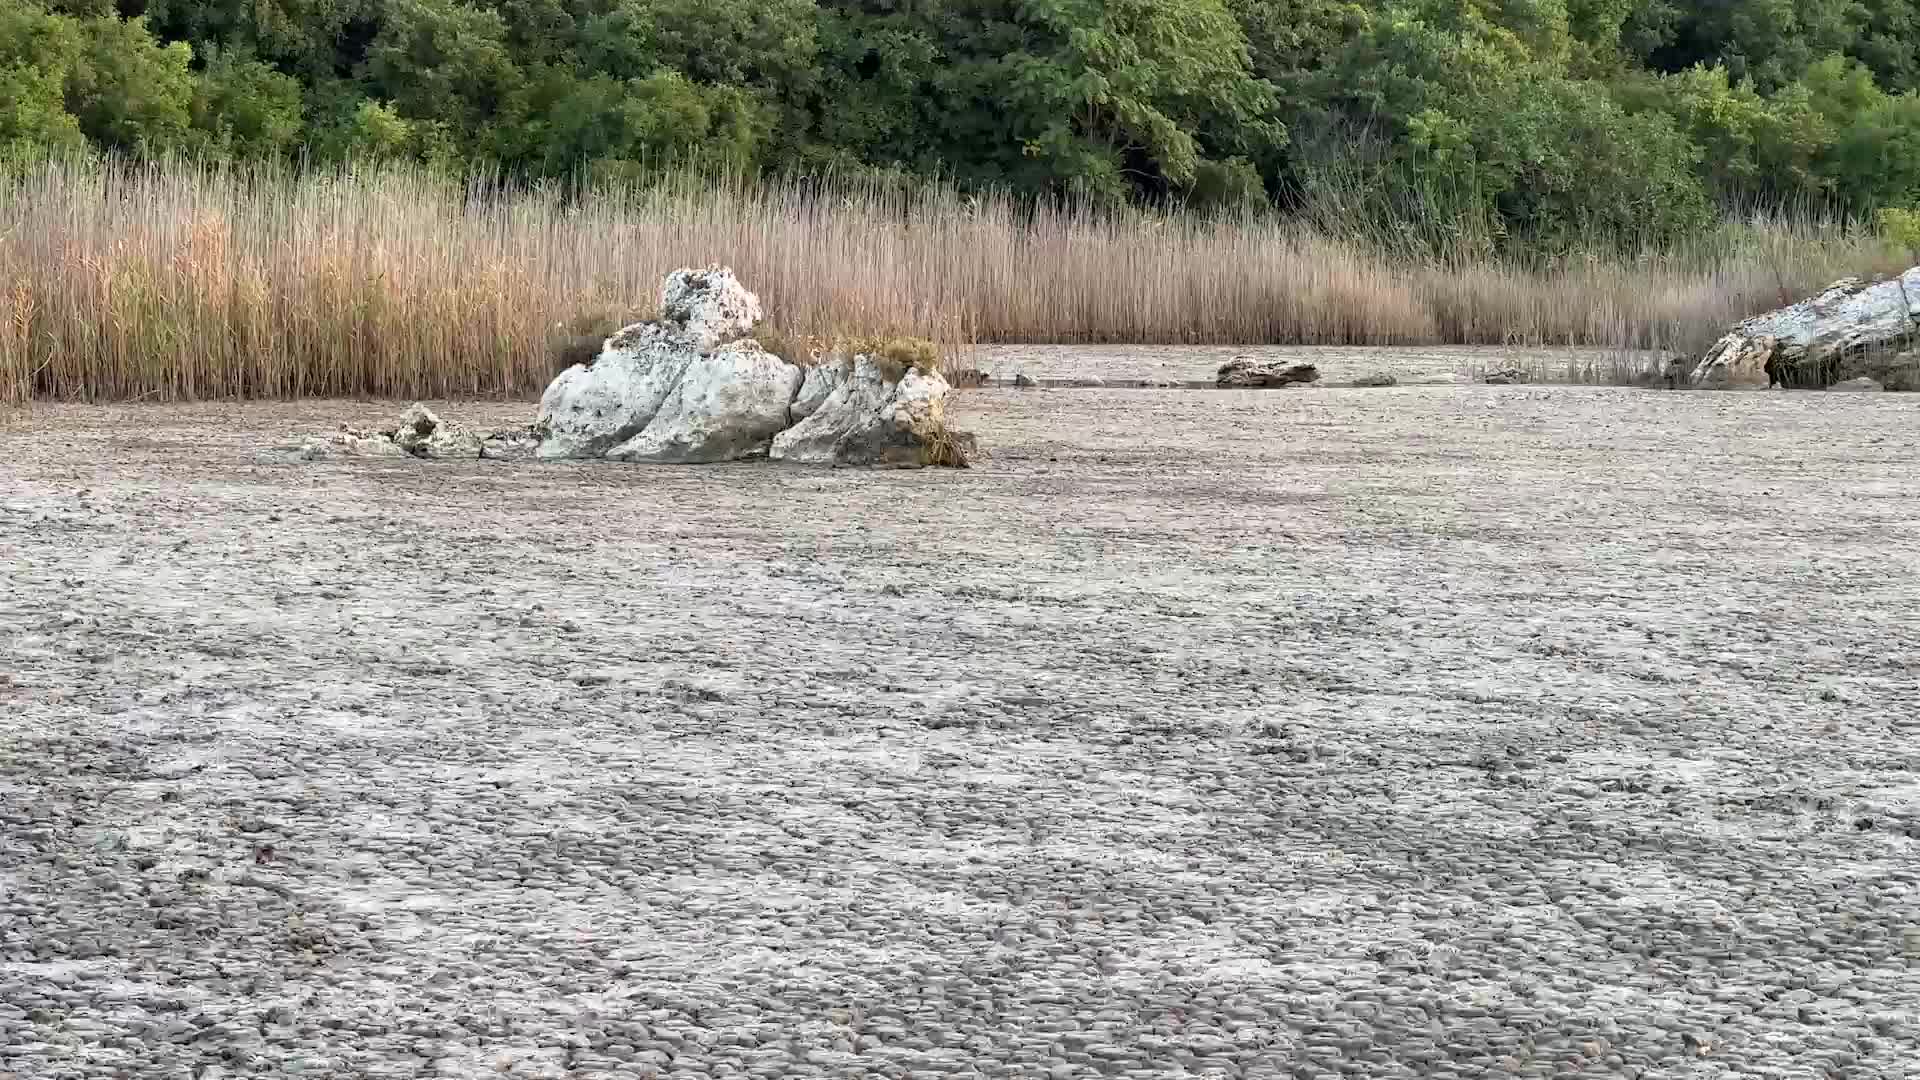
[(170, 281)]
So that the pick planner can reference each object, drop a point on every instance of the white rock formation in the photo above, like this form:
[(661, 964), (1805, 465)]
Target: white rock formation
[(684, 388), (592, 408), (708, 307), (725, 407), (1818, 341), (822, 380), (871, 419), (692, 387)]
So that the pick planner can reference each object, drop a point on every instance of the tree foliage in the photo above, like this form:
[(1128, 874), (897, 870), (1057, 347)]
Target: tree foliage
[(1539, 122)]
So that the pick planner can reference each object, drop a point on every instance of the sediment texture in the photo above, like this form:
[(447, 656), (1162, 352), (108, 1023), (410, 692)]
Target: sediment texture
[(1430, 731)]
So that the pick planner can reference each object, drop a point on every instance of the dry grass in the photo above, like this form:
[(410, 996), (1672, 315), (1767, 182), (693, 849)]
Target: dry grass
[(172, 282)]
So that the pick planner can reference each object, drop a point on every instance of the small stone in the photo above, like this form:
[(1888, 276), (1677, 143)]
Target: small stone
[(1251, 372)]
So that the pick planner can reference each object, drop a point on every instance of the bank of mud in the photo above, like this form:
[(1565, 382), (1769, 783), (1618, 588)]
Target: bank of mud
[(1435, 731)]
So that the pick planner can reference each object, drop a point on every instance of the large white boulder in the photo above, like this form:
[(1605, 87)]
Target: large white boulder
[(592, 408), (876, 415), (1845, 332), (660, 390), (726, 406)]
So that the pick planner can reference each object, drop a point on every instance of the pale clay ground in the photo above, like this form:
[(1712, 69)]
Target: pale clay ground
[(1429, 731), (1158, 363)]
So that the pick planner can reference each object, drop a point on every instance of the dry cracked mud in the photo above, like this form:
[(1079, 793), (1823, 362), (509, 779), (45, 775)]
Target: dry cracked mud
[(1432, 731)]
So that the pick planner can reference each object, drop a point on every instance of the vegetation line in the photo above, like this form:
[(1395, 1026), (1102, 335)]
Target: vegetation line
[(172, 281)]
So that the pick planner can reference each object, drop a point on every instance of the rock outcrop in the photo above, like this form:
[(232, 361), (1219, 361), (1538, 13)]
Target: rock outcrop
[(349, 442), (708, 307), (873, 417), (1853, 329), (1251, 372), (421, 434), (694, 387), (724, 407)]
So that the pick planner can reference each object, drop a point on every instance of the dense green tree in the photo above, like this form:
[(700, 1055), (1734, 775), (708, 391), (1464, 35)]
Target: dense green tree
[(246, 109), (310, 39), (663, 118), (128, 91), (1111, 91), (38, 51), (1517, 123), (1771, 42), (444, 63), (754, 43), (1106, 96)]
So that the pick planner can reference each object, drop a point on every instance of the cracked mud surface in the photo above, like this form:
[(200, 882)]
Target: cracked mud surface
[(1449, 732)]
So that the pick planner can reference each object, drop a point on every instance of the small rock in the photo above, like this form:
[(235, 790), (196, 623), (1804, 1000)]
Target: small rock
[(423, 434), (1024, 381), (349, 442), (1859, 385), (1251, 372), (510, 445), (1378, 378)]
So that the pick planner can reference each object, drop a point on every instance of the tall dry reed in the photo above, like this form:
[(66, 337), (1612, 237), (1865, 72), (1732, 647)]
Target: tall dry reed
[(175, 282)]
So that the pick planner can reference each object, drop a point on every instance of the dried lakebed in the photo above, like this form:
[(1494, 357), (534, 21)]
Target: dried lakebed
[(1432, 731)]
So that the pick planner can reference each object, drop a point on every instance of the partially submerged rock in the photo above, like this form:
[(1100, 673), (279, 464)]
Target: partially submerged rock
[(1852, 329), (1377, 379), (1506, 376), (1251, 372), (693, 387), (1859, 385)]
